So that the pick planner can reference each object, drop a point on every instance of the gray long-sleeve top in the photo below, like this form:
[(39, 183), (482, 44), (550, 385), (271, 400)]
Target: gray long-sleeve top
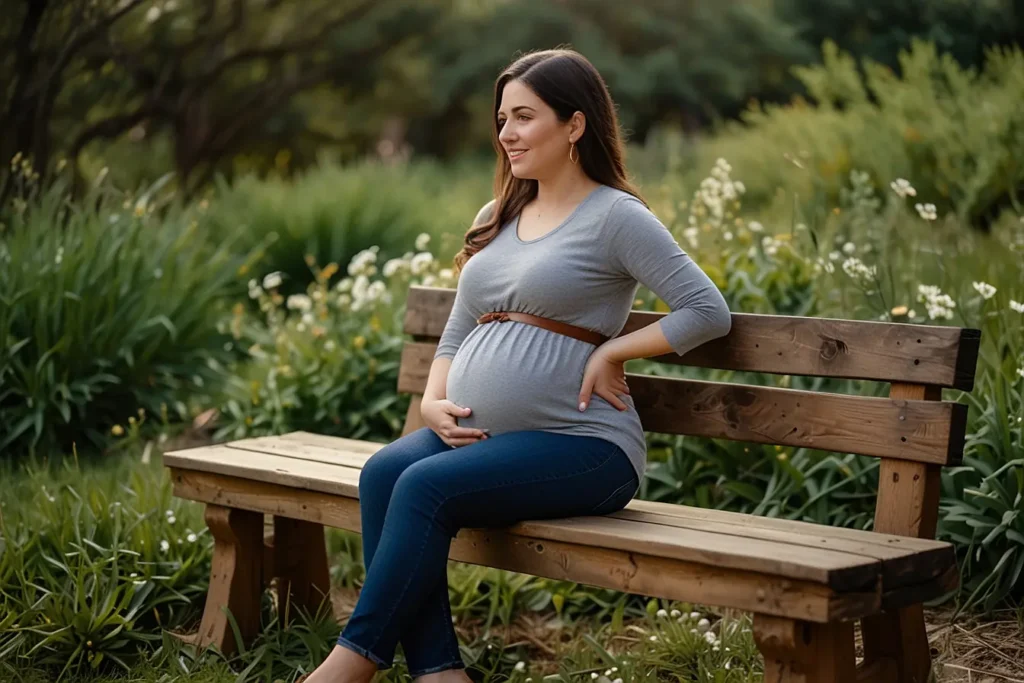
[(515, 376)]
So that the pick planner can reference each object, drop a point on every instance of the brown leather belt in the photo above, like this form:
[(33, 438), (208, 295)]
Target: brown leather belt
[(581, 333)]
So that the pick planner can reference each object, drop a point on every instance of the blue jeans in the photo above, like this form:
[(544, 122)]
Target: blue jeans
[(417, 492)]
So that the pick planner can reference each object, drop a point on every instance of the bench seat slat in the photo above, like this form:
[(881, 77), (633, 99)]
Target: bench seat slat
[(629, 571), (307, 466)]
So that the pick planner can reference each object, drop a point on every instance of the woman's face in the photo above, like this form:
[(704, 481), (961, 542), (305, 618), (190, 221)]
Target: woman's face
[(535, 141)]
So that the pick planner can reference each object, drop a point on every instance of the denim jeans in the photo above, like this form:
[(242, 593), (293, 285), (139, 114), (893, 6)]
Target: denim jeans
[(417, 492)]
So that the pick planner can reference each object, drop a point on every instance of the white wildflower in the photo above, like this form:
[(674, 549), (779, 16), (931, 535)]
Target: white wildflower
[(903, 188), (153, 14), (695, 615), (344, 285), (362, 263), (703, 625), (329, 345), (849, 248), (986, 290), (132, 575), (662, 613), (271, 280), (926, 211), (1017, 306), (654, 638), (191, 538), (939, 305), (172, 519), (421, 241), (420, 262), (299, 302), (520, 666), (593, 675), (709, 636), (393, 266), (675, 613), (856, 269), (164, 546), (755, 226)]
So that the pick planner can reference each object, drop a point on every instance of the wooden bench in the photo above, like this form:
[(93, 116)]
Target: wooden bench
[(806, 584)]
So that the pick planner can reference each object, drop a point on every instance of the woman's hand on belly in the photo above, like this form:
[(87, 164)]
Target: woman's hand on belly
[(441, 415)]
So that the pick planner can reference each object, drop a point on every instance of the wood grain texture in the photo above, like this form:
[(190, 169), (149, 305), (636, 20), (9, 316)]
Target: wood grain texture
[(300, 566), (598, 566), (907, 504), (924, 431), (802, 652), (236, 577), (788, 345)]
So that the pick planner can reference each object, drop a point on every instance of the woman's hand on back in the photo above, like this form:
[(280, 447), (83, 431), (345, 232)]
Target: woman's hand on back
[(441, 415)]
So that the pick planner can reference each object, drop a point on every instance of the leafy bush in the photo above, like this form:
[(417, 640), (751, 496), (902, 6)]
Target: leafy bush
[(870, 257), (958, 133), (327, 360), (93, 563), (333, 212), (105, 307)]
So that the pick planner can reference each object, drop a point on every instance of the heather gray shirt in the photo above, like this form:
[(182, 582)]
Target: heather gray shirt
[(586, 272)]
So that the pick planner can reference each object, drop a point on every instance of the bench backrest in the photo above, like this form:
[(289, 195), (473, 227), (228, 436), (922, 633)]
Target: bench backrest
[(913, 430)]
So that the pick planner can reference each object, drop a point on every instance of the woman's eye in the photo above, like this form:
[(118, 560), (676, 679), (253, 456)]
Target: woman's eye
[(524, 118)]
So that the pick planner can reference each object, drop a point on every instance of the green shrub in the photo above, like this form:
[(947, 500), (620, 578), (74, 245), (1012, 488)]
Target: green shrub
[(326, 360), (958, 133), (332, 212), (93, 563), (106, 306)]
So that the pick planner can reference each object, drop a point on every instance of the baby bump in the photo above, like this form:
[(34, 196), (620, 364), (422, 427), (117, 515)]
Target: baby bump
[(517, 379)]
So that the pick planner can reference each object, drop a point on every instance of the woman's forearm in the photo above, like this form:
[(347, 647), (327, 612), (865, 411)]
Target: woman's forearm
[(437, 379)]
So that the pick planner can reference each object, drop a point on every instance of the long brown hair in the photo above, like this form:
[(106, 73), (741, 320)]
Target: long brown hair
[(567, 82)]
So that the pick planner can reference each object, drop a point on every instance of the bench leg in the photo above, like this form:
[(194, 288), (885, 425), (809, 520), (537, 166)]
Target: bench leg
[(803, 652), (236, 577), (300, 565), (899, 636)]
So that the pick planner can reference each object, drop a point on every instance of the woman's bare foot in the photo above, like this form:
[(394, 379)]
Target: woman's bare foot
[(343, 666), (449, 676)]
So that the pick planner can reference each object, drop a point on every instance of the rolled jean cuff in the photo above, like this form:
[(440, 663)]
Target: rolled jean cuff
[(457, 664), (359, 649)]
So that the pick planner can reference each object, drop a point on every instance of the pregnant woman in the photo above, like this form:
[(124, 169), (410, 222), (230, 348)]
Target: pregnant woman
[(527, 409)]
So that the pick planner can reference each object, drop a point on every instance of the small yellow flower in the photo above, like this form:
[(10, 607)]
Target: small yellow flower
[(375, 324), (243, 269), (248, 420), (329, 270), (204, 205), (782, 457), (131, 420), (117, 430), (899, 310), (310, 260), (359, 342), (238, 309)]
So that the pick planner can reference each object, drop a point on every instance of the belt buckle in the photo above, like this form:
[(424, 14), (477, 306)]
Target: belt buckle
[(494, 316)]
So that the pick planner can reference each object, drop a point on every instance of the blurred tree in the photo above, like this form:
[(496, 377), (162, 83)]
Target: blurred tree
[(879, 29), (215, 74)]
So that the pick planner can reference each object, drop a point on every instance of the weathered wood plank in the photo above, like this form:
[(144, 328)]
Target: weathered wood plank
[(291, 448), (788, 345), (908, 504), (276, 469), (605, 567), (900, 566), (923, 431), (801, 652), (839, 570)]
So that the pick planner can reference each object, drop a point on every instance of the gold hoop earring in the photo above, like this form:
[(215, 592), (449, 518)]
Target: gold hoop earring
[(572, 147)]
